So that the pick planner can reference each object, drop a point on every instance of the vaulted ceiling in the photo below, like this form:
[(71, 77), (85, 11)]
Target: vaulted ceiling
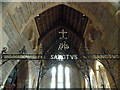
[(53, 20)]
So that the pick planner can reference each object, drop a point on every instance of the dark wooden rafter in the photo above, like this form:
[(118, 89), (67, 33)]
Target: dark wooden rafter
[(48, 31), (64, 27), (74, 32), (54, 19)]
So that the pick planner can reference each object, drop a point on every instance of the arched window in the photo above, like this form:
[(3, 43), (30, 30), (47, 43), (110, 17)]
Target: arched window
[(53, 82), (101, 76), (67, 77), (93, 79), (60, 77)]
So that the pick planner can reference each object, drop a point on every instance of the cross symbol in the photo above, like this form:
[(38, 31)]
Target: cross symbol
[(63, 34)]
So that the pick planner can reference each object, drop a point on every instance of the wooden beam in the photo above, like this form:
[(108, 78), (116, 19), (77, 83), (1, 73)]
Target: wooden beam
[(48, 31), (78, 35)]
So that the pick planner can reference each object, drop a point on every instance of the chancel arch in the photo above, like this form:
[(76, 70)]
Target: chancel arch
[(78, 6)]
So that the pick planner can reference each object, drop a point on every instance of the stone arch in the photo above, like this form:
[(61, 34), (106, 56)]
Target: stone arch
[(8, 65), (94, 11)]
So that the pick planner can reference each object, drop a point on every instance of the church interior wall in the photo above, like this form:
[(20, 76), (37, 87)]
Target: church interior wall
[(17, 21)]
